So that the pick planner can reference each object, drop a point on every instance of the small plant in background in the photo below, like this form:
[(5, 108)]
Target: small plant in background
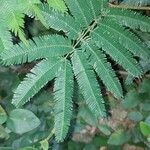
[(87, 43)]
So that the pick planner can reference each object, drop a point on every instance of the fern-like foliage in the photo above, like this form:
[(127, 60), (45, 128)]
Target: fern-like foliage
[(92, 31), (46, 46), (58, 5), (14, 11), (63, 96), (5, 37)]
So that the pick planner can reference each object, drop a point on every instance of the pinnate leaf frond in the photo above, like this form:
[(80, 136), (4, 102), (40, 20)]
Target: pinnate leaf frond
[(88, 85), (103, 69), (39, 47), (43, 72), (104, 40), (63, 91)]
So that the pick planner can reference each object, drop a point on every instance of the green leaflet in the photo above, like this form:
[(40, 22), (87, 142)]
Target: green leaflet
[(58, 5), (17, 24), (61, 22), (116, 51), (64, 22), (103, 69), (1, 46), (5, 37), (42, 47), (119, 137), (85, 14), (88, 84), (13, 13), (130, 19), (126, 38), (39, 76), (63, 91)]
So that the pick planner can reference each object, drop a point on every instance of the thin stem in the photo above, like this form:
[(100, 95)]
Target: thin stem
[(83, 35), (129, 7), (50, 135), (87, 31)]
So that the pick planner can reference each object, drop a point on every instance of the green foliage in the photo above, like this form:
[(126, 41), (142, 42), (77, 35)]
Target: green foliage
[(88, 84), (13, 12), (88, 132), (63, 100), (22, 128), (3, 133), (118, 138), (145, 128), (39, 76), (21, 121), (5, 37), (44, 144), (132, 99), (3, 115), (46, 46), (12, 17), (58, 5), (135, 116), (91, 32)]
